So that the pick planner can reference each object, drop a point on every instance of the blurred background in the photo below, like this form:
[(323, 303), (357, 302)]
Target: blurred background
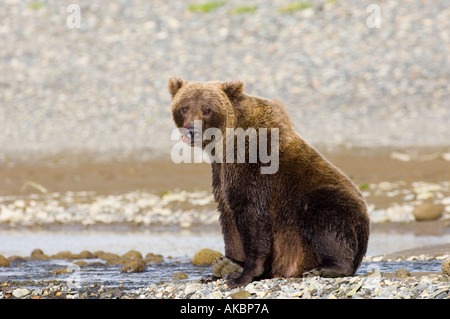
[(85, 117)]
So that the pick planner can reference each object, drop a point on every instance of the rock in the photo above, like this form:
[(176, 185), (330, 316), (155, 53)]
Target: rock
[(241, 294), (120, 261), (205, 256), (402, 273), (179, 276), (16, 258), (191, 288), (427, 211), (400, 156), (153, 259), (20, 292), (85, 254), (353, 291), (39, 255), (132, 254), (3, 261), (446, 156), (134, 266), (446, 266), (251, 288), (61, 271), (98, 253), (108, 256), (64, 255)]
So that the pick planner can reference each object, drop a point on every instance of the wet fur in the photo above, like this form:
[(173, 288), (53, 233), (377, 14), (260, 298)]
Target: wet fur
[(308, 218)]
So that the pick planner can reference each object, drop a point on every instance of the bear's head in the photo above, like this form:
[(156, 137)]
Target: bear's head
[(210, 103)]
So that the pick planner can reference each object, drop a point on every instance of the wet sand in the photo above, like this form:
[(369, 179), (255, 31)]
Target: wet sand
[(85, 173)]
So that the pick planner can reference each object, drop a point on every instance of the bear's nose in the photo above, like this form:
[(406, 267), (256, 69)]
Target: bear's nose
[(192, 133)]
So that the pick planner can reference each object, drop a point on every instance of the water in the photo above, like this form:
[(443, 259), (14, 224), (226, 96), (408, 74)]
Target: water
[(433, 265), (177, 247), (180, 243), (32, 272)]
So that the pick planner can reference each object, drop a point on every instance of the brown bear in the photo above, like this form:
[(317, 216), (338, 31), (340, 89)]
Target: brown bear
[(305, 218)]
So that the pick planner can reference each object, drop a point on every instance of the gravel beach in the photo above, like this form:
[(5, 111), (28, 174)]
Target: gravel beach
[(431, 286), (102, 88)]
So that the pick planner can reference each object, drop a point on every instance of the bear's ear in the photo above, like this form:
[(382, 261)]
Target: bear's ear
[(174, 85), (233, 89)]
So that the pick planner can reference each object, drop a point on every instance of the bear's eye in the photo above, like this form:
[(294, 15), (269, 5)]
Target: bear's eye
[(184, 109), (207, 111)]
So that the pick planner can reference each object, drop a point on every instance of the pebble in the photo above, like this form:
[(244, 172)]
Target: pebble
[(402, 273), (179, 276), (241, 294), (20, 292), (191, 288)]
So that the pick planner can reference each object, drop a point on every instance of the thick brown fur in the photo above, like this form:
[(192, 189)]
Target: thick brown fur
[(307, 218)]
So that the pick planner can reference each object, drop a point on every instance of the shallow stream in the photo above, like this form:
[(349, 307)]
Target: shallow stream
[(31, 273), (177, 247)]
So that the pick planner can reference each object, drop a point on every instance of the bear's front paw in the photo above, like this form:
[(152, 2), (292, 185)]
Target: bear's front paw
[(237, 279), (223, 266)]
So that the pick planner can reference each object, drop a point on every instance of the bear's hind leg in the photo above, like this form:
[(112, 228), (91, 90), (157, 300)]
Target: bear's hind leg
[(334, 256), (334, 223), (331, 271)]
